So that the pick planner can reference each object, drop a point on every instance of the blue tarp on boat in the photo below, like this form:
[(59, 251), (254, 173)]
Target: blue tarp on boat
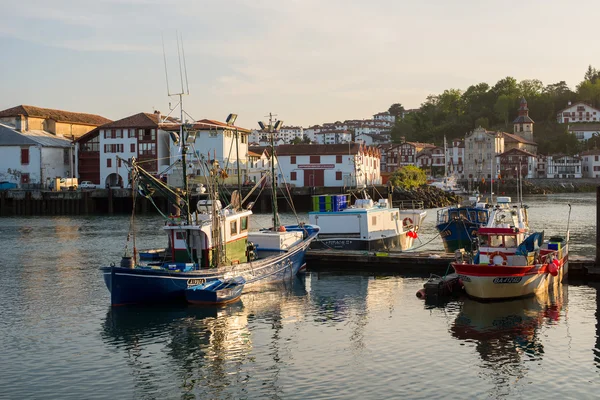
[(531, 243)]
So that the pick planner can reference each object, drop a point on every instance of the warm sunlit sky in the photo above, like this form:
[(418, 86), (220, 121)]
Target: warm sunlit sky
[(309, 61)]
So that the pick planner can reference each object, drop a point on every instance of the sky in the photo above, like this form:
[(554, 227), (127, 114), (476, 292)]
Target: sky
[(308, 61)]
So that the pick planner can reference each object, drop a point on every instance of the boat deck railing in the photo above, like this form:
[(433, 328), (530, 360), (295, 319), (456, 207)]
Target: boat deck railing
[(409, 204)]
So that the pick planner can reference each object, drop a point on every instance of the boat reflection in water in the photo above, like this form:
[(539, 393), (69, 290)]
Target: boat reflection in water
[(207, 349), (507, 333)]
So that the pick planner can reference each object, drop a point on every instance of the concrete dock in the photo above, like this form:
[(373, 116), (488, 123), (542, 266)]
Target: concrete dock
[(423, 262)]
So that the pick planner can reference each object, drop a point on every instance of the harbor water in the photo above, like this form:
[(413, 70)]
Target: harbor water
[(346, 335)]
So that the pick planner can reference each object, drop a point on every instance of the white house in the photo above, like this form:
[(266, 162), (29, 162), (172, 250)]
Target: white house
[(259, 162), (455, 152), (385, 116), (33, 158), (584, 132), (578, 112), (137, 136), (215, 140), (289, 133), (333, 137), (563, 166), (590, 164), (335, 165), (37, 143)]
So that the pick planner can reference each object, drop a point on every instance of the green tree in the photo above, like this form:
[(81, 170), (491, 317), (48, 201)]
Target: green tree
[(396, 110), (483, 122), (502, 107), (507, 86), (589, 92), (296, 140), (530, 88), (408, 177), (591, 74)]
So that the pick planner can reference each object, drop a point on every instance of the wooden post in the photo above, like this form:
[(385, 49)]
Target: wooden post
[(110, 201), (597, 225)]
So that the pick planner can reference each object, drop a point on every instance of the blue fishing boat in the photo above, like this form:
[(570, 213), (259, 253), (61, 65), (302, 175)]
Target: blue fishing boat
[(457, 224), (216, 292), (208, 244)]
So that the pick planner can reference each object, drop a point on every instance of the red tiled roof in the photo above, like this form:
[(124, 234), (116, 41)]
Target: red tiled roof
[(517, 151), (517, 138), (56, 115), (141, 120), (318, 149)]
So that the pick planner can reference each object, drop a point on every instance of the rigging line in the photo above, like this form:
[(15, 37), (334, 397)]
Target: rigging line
[(289, 197)]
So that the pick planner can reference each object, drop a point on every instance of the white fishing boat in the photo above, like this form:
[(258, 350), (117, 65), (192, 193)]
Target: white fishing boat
[(365, 225)]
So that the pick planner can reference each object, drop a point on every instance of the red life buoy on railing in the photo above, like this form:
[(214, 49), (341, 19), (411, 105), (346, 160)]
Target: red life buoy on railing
[(407, 222), (498, 253)]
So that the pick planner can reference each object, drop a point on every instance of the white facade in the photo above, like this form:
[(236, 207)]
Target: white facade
[(578, 112), (333, 137), (563, 167), (216, 144), (584, 132), (481, 149), (360, 167), (33, 158), (385, 116), (126, 144), (590, 164), (455, 152)]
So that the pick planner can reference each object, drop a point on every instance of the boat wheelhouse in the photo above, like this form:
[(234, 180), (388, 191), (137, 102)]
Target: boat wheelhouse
[(457, 225)]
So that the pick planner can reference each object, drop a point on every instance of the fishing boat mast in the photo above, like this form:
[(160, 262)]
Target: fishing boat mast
[(272, 129)]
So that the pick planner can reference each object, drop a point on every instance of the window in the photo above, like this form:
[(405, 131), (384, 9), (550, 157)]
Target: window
[(292, 159), (24, 178), (243, 224), (233, 227), (180, 235), (338, 175), (293, 176), (118, 162), (132, 147), (315, 159), (108, 162), (338, 159), (373, 220), (25, 156)]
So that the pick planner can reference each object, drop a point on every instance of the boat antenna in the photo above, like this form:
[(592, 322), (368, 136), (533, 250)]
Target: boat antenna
[(166, 73), (182, 135), (272, 128)]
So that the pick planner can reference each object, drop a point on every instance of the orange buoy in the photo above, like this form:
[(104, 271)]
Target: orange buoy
[(281, 228)]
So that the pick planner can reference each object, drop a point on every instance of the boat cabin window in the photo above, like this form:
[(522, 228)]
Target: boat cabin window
[(463, 214), (453, 215), (496, 241), (233, 226), (510, 241), (482, 217), (473, 215), (180, 235), (243, 224), (374, 220)]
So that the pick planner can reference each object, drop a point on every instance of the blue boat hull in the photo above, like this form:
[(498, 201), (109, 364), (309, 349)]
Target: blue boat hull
[(457, 234), (147, 285)]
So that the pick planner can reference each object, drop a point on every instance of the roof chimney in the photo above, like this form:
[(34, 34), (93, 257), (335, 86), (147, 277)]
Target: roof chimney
[(157, 113)]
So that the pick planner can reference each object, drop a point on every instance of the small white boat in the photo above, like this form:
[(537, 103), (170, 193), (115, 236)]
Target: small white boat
[(365, 225)]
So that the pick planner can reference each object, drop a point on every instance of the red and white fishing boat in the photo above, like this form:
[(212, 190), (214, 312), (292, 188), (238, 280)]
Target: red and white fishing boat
[(512, 262)]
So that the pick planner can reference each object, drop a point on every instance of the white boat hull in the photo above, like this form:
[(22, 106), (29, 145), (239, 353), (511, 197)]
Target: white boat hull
[(497, 282)]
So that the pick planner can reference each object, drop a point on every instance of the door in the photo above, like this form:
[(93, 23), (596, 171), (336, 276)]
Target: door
[(314, 177)]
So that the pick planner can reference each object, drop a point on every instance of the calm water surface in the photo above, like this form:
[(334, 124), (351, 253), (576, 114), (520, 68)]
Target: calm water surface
[(327, 335)]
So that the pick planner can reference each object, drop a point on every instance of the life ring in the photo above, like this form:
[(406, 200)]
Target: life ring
[(407, 222), (498, 253)]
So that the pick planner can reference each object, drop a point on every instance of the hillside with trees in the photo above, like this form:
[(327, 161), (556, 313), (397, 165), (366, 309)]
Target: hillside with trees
[(455, 112)]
